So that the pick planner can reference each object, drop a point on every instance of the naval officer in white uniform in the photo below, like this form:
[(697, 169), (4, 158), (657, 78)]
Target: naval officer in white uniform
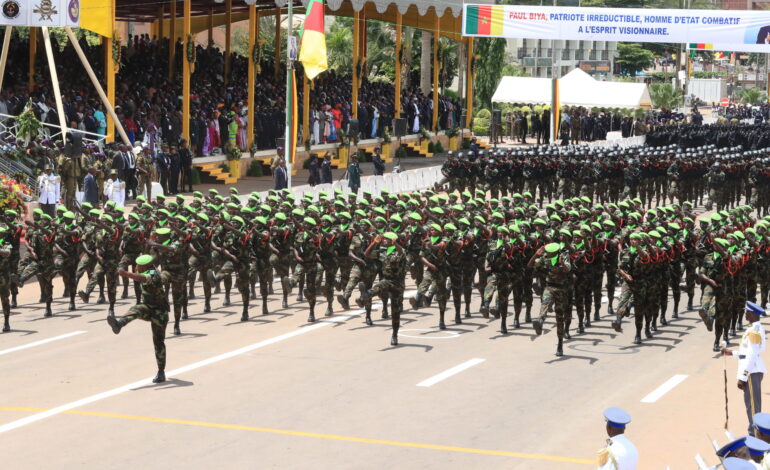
[(620, 453)]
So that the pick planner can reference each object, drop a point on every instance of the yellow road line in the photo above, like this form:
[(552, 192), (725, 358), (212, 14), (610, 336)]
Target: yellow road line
[(362, 440)]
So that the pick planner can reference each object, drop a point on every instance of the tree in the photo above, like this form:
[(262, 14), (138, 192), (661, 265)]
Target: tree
[(632, 58), (380, 50), (490, 55), (339, 44), (752, 96), (665, 96), (449, 61)]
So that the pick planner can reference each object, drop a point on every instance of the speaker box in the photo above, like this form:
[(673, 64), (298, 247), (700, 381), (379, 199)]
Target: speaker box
[(353, 128), (399, 127), (497, 116)]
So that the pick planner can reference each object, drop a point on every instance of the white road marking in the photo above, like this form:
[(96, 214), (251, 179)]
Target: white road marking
[(450, 372), (42, 341), (176, 372), (667, 386)]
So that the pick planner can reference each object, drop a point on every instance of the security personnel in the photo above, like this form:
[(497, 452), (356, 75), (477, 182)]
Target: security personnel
[(751, 367), (154, 308), (5, 278), (619, 453), (49, 188)]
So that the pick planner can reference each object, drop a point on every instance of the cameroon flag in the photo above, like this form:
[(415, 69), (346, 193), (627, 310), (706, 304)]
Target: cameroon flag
[(312, 52), (484, 20)]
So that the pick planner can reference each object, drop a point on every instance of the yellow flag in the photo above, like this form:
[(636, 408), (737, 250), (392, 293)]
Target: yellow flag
[(96, 16)]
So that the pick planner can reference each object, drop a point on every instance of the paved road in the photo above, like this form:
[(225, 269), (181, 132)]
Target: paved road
[(276, 392)]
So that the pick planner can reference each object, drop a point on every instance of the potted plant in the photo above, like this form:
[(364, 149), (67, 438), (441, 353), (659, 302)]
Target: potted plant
[(233, 155), (424, 140), (386, 139), (452, 133)]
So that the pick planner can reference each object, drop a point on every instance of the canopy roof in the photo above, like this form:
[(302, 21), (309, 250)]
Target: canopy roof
[(577, 88), (415, 13)]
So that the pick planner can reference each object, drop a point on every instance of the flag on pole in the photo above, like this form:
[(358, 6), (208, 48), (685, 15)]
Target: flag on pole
[(312, 52), (291, 144), (556, 111)]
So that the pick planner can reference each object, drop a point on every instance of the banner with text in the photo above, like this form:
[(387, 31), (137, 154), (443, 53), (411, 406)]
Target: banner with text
[(731, 29), (52, 13)]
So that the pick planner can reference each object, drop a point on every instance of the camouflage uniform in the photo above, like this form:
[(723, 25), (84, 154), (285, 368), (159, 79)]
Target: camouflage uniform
[(107, 244), (557, 271), (306, 245), (390, 287), (154, 309)]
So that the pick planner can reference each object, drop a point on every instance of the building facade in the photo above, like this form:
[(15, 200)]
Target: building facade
[(538, 58)]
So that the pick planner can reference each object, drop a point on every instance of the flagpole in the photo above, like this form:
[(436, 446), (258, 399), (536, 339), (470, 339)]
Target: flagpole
[(289, 94)]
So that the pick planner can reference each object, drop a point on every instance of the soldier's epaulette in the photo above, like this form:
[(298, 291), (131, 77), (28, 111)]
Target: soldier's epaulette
[(755, 337)]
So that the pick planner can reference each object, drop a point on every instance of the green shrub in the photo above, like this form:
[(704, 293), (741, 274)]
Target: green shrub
[(255, 169), (225, 168), (195, 175), (401, 152), (362, 156), (306, 163), (430, 147), (438, 148), (484, 114), (480, 130)]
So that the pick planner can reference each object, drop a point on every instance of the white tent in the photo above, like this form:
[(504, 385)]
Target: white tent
[(577, 88)]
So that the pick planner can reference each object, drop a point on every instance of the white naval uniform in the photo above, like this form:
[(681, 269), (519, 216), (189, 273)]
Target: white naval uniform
[(115, 191), (49, 187), (748, 354), (620, 454)]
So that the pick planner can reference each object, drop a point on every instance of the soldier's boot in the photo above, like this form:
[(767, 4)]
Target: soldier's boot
[(663, 321), (503, 318), (653, 325), (138, 293), (385, 313), (13, 301), (647, 332), (124, 295), (115, 323), (111, 310), (740, 321), (675, 313), (184, 312), (365, 295), (270, 290), (616, 326), (537, 324), (264, 305), (717, 338), (516, 315), (528, 314), (441, 324), (567, 324), (368, 317), (311, 316), (559, 348), (245, 312), (217, 288), (417, 301), (706, 320), (207, 306), (177, 316), (159, 378), (329, 309), (48, 312), (467, 310), (253, 293), (597, 306), (428, 300), (101, 299), (458, 308), (689, 301), (66, 291), (226, 302), (191, 291), (610, 309), (638, 336), (6, 320), (394, 338), (344, 301), (72, 307), (84, 296), (301, 290), (484, 309)]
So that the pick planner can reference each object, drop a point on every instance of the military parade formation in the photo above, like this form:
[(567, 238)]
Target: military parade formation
[(576, 226)]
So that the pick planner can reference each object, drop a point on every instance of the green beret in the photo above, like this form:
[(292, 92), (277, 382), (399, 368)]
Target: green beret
[(163, 231), (144, 260), (552, 248), (310, 220), (390, 236)]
